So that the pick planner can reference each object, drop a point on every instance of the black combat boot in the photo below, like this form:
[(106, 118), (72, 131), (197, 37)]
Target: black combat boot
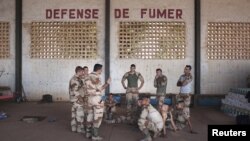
[(88, 132), (95, 136)]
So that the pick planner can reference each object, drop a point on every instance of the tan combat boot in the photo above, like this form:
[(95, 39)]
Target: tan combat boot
[(147, 135), (95, 136)]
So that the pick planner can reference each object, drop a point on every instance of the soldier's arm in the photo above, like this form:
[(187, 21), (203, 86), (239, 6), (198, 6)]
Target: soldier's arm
[(75, 88), (187, 80), (114, 102), (106, 84), (142, 80), (123, 80), (143, 119), (165, 81), (172, 121), (155, 83), (179, 83)]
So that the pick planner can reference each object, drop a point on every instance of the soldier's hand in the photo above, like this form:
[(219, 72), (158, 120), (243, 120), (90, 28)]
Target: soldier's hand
[(109, 80), (138, 88), (156, 76), (80, 101), (124, 87)]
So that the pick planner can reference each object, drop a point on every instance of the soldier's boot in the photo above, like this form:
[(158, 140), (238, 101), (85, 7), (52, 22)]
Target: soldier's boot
[(88, 132), (83, 129), (110, 116), (73, 125), (95, 136), (147, 135), (156, 134), (106, 116), (73, 128), (79, 129)]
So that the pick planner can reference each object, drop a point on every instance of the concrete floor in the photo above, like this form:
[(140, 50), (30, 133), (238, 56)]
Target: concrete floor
[(12, 129)]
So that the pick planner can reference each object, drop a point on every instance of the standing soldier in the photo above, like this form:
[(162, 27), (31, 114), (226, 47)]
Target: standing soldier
[(184, 98), (75, 91), (95, 102), (160, 83), (150, 119), (84, 94), (132, 89)]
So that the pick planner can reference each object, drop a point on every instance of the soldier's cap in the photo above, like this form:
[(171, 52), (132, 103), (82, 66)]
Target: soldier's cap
[(143, 96)]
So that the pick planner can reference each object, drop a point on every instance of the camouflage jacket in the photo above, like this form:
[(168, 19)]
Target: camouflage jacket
[(75, 88)]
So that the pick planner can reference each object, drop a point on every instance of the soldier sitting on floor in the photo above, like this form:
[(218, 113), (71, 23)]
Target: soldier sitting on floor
[(183, 116), (166, 112), (110, 107)]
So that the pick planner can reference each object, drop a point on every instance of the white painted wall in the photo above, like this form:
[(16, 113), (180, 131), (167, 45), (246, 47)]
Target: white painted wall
[(7, 14), (51, 76), (172, 68), (217, 76), (42, 76)]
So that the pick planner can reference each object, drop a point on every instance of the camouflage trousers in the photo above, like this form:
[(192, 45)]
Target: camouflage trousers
[(160, 99), (150, 126), (131, 99), (184, 113), (109, 112), (77, 118), (186, 98), (95, 115)]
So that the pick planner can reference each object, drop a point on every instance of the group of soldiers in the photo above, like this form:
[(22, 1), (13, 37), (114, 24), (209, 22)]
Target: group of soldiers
[(86, 91)]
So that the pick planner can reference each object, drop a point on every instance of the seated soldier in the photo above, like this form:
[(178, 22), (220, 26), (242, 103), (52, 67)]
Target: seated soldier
[(150, 119), (166, 112), (110, 107), (183, 116)]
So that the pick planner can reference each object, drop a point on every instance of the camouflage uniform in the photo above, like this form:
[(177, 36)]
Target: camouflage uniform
[(166, 112), (184, 100), (182, 115), (95, 106), (110, 108), (132, 91), (85, 98), (150, 120), (161, 84), (77, 113)]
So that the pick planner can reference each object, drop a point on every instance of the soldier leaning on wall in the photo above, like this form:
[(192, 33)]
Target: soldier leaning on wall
[(75, 95)]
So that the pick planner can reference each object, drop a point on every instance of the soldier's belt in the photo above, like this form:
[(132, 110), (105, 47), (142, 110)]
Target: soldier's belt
[(184, 95), (95, 95)]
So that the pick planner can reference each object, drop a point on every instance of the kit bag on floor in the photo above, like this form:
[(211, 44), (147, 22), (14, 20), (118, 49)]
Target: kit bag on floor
[(47, 98)]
